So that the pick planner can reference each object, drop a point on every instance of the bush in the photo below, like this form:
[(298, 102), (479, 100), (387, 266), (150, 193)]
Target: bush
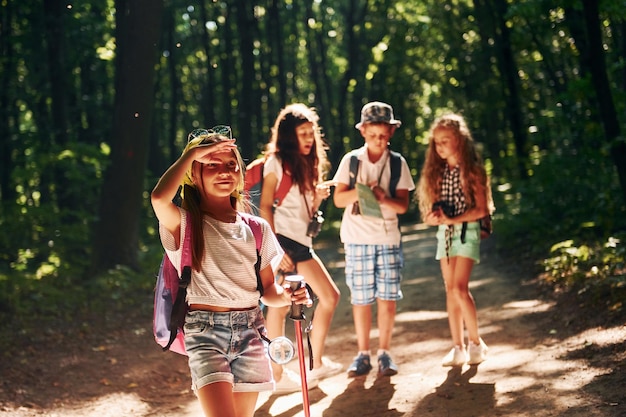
[(597, 270)]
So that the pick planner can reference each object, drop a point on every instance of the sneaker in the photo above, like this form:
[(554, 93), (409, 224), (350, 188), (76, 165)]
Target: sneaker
[(328, 369), (456, 357), (360, 366), (477, 352), (289, 382), (386, 367)]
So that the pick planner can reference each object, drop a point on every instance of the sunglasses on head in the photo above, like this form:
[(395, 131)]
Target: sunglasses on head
[(211, 135)]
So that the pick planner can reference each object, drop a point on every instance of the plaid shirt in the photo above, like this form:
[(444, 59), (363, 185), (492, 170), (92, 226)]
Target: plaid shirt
[(451, 190)]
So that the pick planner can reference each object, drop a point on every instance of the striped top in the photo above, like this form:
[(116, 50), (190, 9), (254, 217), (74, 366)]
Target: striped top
[(227, 278)]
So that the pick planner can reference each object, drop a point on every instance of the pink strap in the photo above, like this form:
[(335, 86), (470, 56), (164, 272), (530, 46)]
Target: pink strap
[(185, 259), (256, 229)]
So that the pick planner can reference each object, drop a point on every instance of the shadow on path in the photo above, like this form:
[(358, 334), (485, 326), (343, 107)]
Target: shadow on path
[(315, 395), (372, 401), (457, 396)]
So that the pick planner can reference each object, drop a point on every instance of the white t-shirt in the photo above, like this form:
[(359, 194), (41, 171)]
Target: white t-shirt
[(292, 217), (227, 278), (359, 229)]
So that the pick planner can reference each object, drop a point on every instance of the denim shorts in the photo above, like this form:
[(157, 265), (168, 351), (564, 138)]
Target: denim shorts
[(228, 347), (373, 271), (296, 251), (469, 249)]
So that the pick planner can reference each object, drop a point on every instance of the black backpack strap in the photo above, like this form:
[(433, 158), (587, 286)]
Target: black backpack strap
[(354, 170), (257, 231), (257, 270), (463, 232), (179, 309), (395, 162)]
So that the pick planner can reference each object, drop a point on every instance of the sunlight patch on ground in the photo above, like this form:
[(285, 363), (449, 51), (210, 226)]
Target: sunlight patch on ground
[(475, 283), (418, 281), (601, 337), (509, 357), (412, 316), (114, 405), (488, 330), (536, 305), (289, 404), (512, 384), (548, 366), (341, 264)]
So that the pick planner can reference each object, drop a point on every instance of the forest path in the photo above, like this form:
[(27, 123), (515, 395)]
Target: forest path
[(542, 361)]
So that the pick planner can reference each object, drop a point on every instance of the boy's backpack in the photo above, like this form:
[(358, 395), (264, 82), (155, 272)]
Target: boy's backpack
[(395, 162), (170, 306), (254, 184)]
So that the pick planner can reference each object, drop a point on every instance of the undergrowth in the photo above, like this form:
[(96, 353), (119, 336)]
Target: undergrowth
[(595, 271)]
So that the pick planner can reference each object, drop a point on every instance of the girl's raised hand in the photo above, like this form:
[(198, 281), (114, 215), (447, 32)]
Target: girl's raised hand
[(204, 152)]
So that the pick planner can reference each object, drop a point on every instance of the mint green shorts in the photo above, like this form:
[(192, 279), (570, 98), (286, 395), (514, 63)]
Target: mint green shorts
[(469, 249)]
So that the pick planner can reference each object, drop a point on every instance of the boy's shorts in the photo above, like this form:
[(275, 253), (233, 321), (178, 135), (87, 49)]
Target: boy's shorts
[(227, 347), (469, 249), (373, 271)]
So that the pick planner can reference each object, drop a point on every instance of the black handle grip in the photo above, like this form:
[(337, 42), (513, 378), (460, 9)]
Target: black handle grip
[(297, 310)]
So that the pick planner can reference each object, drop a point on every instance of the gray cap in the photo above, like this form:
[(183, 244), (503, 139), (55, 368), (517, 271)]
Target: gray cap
[(377, 112)]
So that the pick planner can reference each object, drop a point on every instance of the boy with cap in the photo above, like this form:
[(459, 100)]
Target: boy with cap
[(373, 269)]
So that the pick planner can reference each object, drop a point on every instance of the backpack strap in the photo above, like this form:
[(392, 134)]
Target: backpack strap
[(395, 162), (354, 170), (463, 232), (255, 226), (283, 187), (179, 309), (253, 175)]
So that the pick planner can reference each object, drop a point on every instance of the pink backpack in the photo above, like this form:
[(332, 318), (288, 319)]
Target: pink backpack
[(170, 307)]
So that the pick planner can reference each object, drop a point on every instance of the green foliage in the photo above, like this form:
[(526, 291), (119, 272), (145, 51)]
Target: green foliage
[(596, 270), (570, 194), (553, 177), (29, 303)]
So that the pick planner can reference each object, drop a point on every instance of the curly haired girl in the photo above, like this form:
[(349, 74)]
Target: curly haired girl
[(454, 194)]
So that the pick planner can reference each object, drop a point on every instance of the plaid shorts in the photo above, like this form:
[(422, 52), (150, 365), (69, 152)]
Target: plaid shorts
[(373, 271)]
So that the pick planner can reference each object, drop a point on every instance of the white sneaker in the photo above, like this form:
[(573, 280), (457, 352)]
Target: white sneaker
[(289, 382), (477, 352), (328, 369), (456, 357)]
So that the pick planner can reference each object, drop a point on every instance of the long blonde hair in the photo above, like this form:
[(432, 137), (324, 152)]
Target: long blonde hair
[(191, 196), (474, 179)]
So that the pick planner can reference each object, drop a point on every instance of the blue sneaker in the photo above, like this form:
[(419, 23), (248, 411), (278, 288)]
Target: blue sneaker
[(386, 367), (360, 366)]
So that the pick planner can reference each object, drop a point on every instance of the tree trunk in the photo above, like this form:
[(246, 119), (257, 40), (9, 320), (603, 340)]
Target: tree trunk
[(7, 105), (247, 97), (508, 69), (116, 233), (601, 84)]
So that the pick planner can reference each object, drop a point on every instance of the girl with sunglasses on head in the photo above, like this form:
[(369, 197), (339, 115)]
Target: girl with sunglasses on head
[(223, 296)]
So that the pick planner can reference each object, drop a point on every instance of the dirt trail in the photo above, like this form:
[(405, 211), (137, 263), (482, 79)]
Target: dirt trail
[(542, 361)]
